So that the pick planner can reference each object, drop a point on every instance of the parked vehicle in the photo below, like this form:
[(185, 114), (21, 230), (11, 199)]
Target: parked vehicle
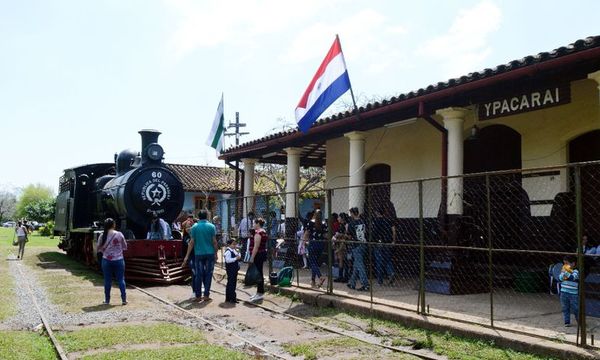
[(9, 224)]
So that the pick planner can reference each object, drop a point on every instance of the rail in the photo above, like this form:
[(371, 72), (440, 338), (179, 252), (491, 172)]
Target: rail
[(46, 325)]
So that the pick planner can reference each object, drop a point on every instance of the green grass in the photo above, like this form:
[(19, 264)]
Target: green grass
[(302, 349), (103, 338), (339, 346), (446, 344), (73, 286), (188, 352), (7, 295), (25, 345), (35, 240), (106, 337)]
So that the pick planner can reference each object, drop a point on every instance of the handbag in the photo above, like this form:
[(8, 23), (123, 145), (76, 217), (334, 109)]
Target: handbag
[(15, 241), (252, 275)]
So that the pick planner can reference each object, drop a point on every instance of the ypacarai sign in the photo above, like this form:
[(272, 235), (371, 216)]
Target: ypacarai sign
[(525, 101)]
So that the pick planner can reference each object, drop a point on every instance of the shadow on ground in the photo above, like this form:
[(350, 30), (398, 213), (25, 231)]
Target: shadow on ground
[(53, 260)]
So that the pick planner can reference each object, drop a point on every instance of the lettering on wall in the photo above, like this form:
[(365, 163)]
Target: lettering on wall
[(531, 100)]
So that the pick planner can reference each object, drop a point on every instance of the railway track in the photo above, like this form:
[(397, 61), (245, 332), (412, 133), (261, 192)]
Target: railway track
[(45, 324), (258, 349), (403, 350)]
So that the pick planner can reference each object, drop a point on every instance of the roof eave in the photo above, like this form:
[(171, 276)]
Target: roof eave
[(351, 120)]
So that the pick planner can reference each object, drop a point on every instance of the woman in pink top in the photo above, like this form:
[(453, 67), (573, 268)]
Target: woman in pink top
[(112, 244)]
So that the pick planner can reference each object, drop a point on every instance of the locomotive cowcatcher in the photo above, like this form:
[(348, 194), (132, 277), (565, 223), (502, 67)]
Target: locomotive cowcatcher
[(133, 189)]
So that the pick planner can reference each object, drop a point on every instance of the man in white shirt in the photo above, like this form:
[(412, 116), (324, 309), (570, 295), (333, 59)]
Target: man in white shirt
[(244, 232), (159, 229)]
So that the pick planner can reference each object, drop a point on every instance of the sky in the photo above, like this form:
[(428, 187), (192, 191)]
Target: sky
[(79, 79)]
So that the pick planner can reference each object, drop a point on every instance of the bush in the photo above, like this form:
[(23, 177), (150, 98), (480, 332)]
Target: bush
[(42, 210), (47, 230)]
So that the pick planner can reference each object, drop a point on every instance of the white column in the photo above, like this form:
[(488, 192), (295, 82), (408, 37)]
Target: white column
[(596, 77), (356, 169), (292, 181), (248, 184), (453, 122)]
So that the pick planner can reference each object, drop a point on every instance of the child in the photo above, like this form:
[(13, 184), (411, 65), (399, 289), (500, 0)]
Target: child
[(569, 289), (232, 266)]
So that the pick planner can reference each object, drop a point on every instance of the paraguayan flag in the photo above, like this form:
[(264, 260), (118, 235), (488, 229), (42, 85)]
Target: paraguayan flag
[(329, 83)]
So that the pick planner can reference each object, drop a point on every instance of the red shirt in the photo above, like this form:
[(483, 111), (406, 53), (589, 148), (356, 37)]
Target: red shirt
[(263, 241), (335, 227)]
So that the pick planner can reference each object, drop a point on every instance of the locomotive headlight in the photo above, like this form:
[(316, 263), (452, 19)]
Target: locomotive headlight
[(155, 152)]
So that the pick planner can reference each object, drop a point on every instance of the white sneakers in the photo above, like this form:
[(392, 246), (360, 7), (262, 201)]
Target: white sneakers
[(256, 298)]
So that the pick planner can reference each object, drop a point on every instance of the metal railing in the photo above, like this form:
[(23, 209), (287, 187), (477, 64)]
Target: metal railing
[(483, 248)]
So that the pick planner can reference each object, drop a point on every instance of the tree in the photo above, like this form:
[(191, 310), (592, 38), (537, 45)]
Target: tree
[(8, 202), (33, 194), (42, 210), (311, 180), (274, 175)]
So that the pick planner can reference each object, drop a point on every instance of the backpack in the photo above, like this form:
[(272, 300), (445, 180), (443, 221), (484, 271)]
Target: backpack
[(284, 276)]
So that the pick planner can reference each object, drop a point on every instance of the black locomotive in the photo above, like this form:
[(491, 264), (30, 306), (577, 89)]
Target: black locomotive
[(133, 189)]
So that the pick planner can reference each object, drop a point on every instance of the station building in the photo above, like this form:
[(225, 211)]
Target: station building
[(536, 112)]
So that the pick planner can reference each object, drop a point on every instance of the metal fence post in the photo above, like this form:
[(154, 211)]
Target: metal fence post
[(297, 211), (329, 243), (581, 323), (371, 263), (270, 227), (421, 303), (490, 259)]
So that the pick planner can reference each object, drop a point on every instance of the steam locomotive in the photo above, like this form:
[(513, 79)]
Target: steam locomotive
[(132, 190)]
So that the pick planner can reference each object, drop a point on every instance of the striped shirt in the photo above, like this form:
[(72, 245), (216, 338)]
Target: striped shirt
[(569, 281)]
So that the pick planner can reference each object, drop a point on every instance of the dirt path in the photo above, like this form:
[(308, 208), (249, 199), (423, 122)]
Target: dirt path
[(274, 331), (53, 277), (27, 318)]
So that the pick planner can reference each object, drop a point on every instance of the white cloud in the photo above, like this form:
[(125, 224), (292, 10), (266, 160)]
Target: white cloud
[(356, 32), (465, 45), (366, 37), (210, 23)]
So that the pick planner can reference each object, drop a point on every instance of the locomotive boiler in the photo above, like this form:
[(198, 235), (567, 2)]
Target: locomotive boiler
[(131, 190)]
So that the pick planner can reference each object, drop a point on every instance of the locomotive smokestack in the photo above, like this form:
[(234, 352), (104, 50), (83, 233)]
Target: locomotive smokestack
[(149, 136)]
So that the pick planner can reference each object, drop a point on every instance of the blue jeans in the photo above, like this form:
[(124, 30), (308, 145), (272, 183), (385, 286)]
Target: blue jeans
[(383, 266), (359, 270), (116, 268), (193, 271), (315, 249), (204, 265), (570, 305)]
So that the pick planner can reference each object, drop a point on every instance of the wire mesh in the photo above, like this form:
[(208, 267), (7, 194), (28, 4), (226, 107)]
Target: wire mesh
[(489, 250)]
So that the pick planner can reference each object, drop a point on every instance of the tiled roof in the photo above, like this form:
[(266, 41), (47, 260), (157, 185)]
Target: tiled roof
[(577, 46), (198, 178), (204, 178)]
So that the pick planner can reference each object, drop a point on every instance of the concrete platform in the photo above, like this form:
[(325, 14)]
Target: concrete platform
[(530, 322)]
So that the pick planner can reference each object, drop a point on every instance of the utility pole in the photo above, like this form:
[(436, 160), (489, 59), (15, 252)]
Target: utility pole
[(237, 126)]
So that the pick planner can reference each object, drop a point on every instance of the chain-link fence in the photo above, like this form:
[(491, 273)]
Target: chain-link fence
[(513, 250)]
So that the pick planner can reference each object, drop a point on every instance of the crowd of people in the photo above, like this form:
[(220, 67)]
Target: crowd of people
[(349, 243), (352, 235), (200, 237)]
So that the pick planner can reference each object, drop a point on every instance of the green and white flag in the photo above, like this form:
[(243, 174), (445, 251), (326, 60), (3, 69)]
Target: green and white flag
[(215, 138)]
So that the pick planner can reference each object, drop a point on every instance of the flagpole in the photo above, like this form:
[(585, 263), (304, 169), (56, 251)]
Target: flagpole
[(351, 91)]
